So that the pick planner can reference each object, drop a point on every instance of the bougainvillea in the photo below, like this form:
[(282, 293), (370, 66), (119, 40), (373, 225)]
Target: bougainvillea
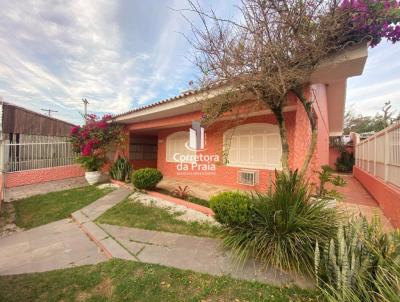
[(375, 19), (93, 138)]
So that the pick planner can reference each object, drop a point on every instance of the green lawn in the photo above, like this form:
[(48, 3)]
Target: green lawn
[(41, 209), (134, 214), (118, 280)]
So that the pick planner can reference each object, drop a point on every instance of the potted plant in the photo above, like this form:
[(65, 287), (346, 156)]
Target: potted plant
[(92, 164), (91, 142)]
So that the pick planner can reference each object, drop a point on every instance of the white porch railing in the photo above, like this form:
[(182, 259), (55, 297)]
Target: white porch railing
[(380, 155), (28, 156)]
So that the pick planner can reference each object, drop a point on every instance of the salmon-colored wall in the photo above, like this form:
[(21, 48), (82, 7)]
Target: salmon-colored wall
[(387, 196), (29, 177), (224, 175), (298, 129), (321, 109)]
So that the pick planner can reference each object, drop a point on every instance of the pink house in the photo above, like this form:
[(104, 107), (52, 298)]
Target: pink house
[(241, 155)]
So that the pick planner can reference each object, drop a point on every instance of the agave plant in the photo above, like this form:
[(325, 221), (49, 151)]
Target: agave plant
[(121, 169), (181, 192)]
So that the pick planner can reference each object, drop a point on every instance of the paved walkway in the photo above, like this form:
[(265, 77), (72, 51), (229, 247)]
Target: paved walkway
[(43, 188), (52, 246), (357, 200)]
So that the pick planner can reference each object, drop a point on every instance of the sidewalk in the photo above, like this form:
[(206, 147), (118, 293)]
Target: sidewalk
[(175, 250), (52, 246)]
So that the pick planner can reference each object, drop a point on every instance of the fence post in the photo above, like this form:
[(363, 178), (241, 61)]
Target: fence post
[(387, 150)]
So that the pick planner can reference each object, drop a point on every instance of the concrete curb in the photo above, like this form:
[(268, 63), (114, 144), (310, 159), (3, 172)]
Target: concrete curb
[(110, 247)]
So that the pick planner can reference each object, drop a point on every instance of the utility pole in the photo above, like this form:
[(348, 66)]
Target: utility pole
[(49, 111), (85, 103)]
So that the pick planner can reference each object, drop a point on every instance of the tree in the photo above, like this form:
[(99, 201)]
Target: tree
[(272, 50), (360, 124)]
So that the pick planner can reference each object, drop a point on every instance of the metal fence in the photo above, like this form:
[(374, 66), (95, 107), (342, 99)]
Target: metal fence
[(38, 155), (380, 155)]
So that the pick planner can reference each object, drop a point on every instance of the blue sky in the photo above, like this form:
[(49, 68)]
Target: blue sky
[(124, 54)]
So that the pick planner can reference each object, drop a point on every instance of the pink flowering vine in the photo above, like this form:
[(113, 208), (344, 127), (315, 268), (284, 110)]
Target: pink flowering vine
[(375, 19), (92, 138)]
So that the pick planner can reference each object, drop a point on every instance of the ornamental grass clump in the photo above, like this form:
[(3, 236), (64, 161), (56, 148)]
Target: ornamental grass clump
[(283, 227), (121, 169), (361, 263)]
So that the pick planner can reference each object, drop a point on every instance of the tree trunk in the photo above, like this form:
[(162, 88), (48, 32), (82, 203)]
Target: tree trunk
[(314, 128), (278, 112)]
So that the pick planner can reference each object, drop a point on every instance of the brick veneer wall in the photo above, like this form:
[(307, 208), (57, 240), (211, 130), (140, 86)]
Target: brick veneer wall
[(298, 130), (29, 177)]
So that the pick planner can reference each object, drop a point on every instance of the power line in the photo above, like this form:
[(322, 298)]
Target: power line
[(49, 111)]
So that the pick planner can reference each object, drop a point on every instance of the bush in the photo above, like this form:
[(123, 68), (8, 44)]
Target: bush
[(146, 178), (362, 263), (231, 208), (121, 169), (345, 161), (283, 228)]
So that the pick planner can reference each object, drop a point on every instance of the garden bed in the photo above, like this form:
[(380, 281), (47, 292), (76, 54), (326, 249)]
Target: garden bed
[(132, 213)]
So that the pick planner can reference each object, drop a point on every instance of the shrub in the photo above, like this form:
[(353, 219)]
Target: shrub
[(325, 177), (362, 263), (283, 228), (146, 178), (345, 161), (231, 208), (121, 169)]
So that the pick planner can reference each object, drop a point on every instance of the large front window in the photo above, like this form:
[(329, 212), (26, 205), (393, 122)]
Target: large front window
[(177, 150), (253, 146)]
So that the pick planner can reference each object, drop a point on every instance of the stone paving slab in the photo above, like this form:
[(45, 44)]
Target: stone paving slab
[(97, 208), (194, 253), (52, 246)]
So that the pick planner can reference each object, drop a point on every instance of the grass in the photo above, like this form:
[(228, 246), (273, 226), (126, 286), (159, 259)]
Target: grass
[(119, 280), (42, 209), (134, 214)]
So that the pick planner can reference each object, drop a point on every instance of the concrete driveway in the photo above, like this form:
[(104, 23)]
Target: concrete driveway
[(52, 246)]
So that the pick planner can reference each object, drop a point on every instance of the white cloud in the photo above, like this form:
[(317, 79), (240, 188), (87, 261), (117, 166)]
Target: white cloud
[(55, 53)]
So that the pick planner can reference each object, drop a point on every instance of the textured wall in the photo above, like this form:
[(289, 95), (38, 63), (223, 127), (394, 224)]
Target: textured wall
[(29, 177), (298, 129), (387, 196), (224, 175)]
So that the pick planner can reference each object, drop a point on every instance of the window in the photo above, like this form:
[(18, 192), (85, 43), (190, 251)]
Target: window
[(253, 146), (176, 148)]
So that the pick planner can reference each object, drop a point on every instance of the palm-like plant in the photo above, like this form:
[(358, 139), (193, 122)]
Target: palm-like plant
[(284, 227)]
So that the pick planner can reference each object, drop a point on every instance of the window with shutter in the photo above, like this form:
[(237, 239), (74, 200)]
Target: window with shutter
[(253, 146), (176, 146)]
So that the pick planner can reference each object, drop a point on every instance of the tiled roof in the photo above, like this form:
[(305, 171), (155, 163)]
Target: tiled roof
[(180, 96)]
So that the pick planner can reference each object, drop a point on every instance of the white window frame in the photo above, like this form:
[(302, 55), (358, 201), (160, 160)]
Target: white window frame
[(251, 132), (169, 141)]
